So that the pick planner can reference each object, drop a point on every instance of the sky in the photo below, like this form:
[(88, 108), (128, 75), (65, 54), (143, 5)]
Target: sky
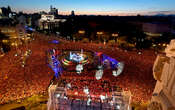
[(97, 7)]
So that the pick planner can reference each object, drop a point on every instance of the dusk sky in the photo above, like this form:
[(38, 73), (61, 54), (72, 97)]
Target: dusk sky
[(107, 7)]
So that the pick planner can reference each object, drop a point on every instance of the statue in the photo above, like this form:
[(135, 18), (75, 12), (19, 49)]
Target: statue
[(170, 50), (164, 73)]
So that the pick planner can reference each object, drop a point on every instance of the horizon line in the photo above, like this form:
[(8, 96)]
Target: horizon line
[(148, 13), (104, 13)]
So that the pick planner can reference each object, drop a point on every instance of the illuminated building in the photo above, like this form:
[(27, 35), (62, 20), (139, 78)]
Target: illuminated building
[(114, 34), (0, 13), (81, 32), (99, 33), (49, 22), (155, 29), (163, 71), (15, 35), (11, 32)]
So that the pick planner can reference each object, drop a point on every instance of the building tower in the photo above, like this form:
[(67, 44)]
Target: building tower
[(53, 11), (72, 13)]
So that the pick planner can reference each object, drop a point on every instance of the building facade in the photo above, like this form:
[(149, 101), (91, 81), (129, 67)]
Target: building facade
[(49, 22), (53, 11), (164, 73)]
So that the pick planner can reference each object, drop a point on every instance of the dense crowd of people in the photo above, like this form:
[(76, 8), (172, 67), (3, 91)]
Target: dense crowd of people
[(95, 88), (18, 82), (137, 75)]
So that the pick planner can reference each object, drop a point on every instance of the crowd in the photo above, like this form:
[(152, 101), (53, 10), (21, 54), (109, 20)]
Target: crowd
[(95, 88), (18, 82)]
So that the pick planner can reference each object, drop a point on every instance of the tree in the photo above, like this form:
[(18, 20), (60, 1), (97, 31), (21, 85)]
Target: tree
[(9, 9), (5, 46)]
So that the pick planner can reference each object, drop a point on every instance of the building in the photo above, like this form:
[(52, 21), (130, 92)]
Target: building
[(42, 13), (155, 29), (29, 21), (53, 11), (22, 19), (5, 12), (15, 35), (10, 38), (11, 32), (0, 13), (163, 71), (49, 22), (72, 13)]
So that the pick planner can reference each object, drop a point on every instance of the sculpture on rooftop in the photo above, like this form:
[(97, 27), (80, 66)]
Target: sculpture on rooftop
[(164, 73)]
